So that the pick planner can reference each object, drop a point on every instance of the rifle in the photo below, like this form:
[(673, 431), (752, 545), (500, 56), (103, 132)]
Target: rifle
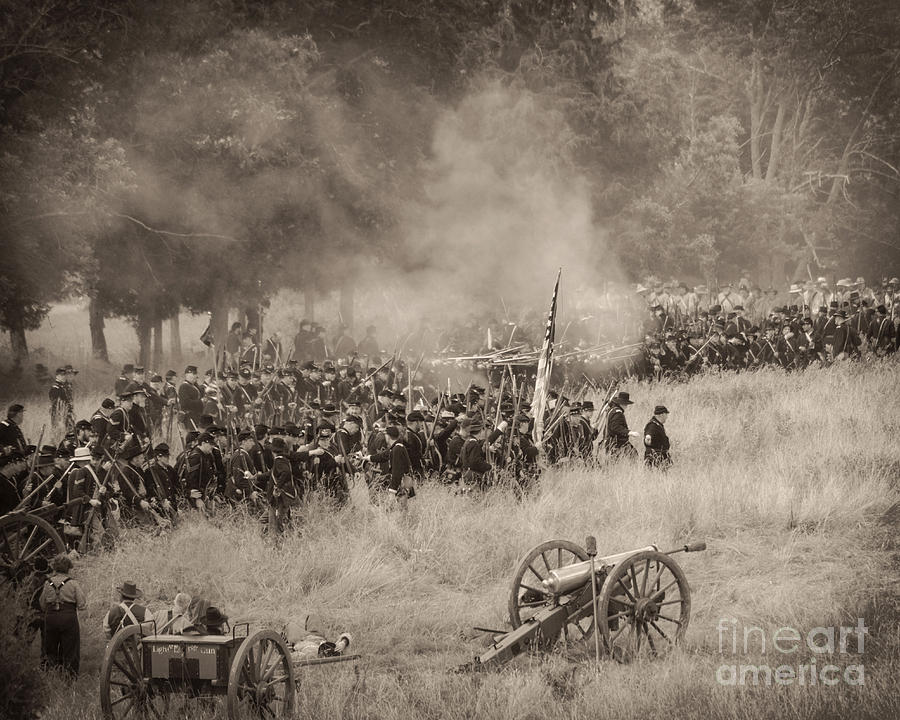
[(89, 520), (37, 450), (150, 511)]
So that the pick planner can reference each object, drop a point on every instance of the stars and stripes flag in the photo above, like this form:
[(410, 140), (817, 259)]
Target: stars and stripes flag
[(545, 366)]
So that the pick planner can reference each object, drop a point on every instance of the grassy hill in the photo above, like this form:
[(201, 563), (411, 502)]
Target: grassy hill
[(791, 479)]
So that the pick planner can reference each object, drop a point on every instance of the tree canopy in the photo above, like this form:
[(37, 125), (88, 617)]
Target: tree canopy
[(159, 155)]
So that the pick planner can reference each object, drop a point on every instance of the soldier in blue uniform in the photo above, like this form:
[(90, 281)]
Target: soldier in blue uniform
[(656, 442)]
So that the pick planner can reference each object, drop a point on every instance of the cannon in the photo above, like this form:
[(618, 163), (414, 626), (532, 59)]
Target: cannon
[(633, 603)]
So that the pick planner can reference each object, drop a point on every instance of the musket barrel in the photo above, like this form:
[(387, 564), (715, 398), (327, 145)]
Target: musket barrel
[(571, 577)]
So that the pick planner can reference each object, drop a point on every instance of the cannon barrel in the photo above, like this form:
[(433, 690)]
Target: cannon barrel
[(571, 577)]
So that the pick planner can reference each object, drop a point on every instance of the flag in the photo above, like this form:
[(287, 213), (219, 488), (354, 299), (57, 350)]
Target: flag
[(207, 337), (545, 366)]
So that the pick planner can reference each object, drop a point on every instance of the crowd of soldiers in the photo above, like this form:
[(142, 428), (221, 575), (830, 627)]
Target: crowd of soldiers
[(269, 429), (743, 328)]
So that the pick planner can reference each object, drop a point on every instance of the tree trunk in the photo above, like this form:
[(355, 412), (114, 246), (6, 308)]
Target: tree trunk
[(309, 304), (17, 341), (775, 151), (157, 344), (346, 305), (98, 331), (175, 338), (142, 326)]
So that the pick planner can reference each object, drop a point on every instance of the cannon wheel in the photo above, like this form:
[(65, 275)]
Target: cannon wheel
[(24, 538), (124, 691), (261, 681), (644, 606), (527, 596)]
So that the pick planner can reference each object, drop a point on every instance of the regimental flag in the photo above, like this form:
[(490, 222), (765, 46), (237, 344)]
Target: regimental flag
[(545, 367), (207, 337)]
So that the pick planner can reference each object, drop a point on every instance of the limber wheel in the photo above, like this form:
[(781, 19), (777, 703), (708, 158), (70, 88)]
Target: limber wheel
[(527, 596), (23, 539), (261, 681), (644, 606), (124, 691)]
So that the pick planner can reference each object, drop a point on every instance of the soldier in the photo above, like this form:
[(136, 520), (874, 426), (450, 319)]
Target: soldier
[(344, 345), (61, 599), (11, 437), (58, 400), (656, 442), (233, 345), (100, 419), (845, 342), (282, 492), (415, 441), (190, 399), (200, 472), (162, 481), (129, 474), (617, 443), (881, 332), (400, 481), (328, 475), (243, 475), (124, 379), (156, 403), (317, 350), (137, 415), (84, 483), (118, 430), (475, 467), (127, 611)]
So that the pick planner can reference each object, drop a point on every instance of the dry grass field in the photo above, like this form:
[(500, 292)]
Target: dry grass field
[(792, 480)]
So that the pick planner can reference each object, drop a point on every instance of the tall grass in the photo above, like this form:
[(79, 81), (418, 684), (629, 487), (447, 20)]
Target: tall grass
[(789, 478)]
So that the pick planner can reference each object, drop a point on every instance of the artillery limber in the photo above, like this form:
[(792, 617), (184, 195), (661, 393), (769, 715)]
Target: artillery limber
[(632, 603), (255, 672)]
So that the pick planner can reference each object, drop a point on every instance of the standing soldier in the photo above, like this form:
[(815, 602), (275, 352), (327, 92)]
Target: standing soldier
[(137, 415), (156, 402), (243, 475), (233, 345), (190, 399), (282, 493), (881, 332), (399, 482), (61, 599), (58, 400), (845, 342), (656, 442), (118, 430), (124, 379), (170, 393), (84, 483), (617, 441), (344, 345)]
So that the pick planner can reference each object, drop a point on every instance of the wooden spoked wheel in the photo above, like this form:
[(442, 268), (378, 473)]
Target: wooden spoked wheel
[(528, 596), (23, 539), (644, 606), (124, 691), (261, 682)]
